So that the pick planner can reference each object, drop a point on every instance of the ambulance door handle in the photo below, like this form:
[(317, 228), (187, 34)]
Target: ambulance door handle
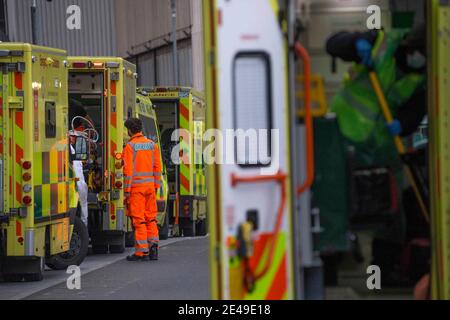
[(280, 178), (303, 54)]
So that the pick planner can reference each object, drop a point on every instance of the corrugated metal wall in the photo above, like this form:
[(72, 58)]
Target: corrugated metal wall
[(148, 22), (161, 74), (138, 30), (98, 25)]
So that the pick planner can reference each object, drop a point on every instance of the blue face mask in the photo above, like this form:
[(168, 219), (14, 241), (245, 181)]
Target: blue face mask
[(416, 60)]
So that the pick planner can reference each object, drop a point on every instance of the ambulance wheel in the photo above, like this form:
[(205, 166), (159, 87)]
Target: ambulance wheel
[(79, 245), (129, 239), (118, 248), (201, 228), (188, 227), (164, 230)]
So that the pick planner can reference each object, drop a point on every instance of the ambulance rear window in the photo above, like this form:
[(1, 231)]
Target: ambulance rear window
[(50, 119), (252, 108)]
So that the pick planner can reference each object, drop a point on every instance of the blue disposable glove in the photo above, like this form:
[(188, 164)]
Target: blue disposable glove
[(395, 128), (364, 51)]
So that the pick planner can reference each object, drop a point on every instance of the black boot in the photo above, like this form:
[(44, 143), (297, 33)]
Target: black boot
[(154, 252), (134, 257)]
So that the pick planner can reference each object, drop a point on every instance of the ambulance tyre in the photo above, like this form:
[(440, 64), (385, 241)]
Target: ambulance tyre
[(164, 230), (118, 248), (129, 239), (78, 249), (188, 227)]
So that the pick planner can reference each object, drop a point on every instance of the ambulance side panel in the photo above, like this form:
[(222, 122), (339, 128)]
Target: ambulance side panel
[(35, 101)]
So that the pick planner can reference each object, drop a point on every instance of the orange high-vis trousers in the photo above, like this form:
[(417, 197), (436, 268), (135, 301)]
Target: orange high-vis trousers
[(143, 212)]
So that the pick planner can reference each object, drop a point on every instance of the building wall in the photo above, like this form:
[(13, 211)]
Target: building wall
[(98, 25), (138, 30), (145, 24)]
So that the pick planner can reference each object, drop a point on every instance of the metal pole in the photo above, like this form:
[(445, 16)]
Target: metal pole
[(35, 24), (173, 7)]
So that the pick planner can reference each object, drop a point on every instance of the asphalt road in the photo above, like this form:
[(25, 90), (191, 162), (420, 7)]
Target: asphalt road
[(181, 273)]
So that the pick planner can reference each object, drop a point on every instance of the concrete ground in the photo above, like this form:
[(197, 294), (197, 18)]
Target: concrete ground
[(181, 273)]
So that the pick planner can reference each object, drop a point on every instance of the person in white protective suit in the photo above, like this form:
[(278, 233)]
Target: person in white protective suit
[(82, 188)]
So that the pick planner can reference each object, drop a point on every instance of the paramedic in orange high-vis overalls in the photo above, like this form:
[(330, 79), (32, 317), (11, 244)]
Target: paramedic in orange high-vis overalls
[(142, 171)]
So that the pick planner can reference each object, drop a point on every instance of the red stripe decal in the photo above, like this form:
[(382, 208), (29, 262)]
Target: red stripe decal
[(19, 119), (258, 252), (114, 119), (279, 286), (18, 192), (18, 80), (184, 111), (19, 154), (184, 182), (113, 149), (18, 228), (113, 88)]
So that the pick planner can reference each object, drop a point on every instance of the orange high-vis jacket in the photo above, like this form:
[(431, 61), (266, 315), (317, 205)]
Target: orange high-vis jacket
[(142, 164)]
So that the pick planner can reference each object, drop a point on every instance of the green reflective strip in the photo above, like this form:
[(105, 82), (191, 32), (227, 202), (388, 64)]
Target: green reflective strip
[(378, 43), (361, 108)]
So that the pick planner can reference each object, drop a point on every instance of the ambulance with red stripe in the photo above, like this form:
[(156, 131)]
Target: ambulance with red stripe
[(39, 222), (181, 114), (106, 88)]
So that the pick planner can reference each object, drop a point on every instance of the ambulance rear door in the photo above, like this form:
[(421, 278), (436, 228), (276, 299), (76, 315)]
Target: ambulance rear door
[(249, 198)]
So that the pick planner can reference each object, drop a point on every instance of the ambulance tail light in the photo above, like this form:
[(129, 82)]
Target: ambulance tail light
[(26, 177), (79, 65), (26, 165), (118, 156), (119, 184), (27, 200), (98, 64)]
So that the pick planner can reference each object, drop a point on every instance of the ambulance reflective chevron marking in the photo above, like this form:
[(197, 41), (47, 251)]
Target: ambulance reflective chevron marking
[(185, 146)]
